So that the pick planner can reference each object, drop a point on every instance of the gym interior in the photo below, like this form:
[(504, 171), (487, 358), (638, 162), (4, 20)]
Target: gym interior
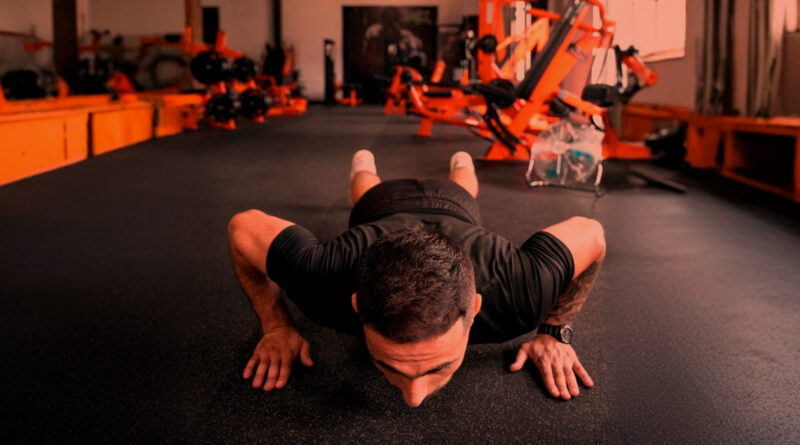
[(132, 132)]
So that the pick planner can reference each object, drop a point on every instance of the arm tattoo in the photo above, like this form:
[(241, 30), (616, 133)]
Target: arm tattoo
[(570, 302)]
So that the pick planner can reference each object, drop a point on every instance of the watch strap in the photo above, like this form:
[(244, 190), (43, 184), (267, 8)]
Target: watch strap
[(555, 332), (551, 330)]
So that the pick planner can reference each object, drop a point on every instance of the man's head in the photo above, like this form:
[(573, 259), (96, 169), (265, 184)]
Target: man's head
[(416, 297)]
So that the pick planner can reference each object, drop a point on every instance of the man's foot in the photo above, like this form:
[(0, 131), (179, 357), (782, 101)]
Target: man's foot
[(363, 174), (461, 159), (363, 160), (462, 172)]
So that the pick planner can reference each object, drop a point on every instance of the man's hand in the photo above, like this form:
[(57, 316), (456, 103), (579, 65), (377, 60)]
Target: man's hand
[(557, 363), (274, 356)]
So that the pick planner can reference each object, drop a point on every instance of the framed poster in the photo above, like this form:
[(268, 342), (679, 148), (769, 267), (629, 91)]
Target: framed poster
[(377, 38)]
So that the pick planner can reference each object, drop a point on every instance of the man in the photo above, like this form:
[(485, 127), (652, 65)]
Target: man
[(387, 43), (420, 279)]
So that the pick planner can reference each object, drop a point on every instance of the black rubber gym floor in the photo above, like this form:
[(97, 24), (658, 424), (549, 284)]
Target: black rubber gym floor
[(122, 321)]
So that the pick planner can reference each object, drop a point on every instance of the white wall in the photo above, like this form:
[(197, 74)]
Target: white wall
[(139, 17), (790, 87), (677, 82), (248, 24), (306, 23), (678, 77), (25, 16), (741, 25)]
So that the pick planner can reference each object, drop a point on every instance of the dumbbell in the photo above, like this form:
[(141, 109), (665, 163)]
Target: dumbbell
[(253, 103), (487, 43), (221, 108), (209, 67), (242, 69)]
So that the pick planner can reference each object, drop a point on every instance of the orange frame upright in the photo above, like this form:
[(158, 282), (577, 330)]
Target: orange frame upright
[(549, 83), (548, 88), (522, 120), (408, 93), (534, 37)]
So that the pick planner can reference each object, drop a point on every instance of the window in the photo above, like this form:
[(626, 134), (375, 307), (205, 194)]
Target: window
[(657, 28), (793, 25)]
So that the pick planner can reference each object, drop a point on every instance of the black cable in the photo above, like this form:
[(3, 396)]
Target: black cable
[(499, 130), (602, 66), (594, 123)]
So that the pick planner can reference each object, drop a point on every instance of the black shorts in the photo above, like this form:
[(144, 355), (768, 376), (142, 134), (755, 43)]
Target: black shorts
[(436, 196)]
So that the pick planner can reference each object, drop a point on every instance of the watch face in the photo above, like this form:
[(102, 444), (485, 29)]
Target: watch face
[(566, 335)]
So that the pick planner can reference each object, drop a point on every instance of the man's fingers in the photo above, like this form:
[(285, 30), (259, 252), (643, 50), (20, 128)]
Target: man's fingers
[(561, 382), (547, 377), (305, 354), (584, 376), (274, 367), (520, 361), (572, 384), (262, 369), (286, 369), (248, 369)]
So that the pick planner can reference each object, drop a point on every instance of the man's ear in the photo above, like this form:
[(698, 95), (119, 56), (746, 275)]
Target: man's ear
[(476, 304), (353, 302)]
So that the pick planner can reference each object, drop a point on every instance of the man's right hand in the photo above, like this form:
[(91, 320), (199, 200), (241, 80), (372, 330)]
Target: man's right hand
[(274, 355)]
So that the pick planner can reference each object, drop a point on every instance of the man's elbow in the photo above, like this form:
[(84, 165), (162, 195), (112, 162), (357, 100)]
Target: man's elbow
[(596, 233), (599, 239), (243, 222)]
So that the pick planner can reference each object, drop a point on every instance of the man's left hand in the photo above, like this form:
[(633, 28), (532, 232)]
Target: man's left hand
[(557, 363)]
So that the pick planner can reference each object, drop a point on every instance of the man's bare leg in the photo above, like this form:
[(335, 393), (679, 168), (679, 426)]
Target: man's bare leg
[(363, 174), (462, 172)]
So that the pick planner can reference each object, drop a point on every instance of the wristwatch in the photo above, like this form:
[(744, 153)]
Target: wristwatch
[(560, 333)]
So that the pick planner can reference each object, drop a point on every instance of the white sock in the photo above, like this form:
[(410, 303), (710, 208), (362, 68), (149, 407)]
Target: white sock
[(461, 159), (363, 160)]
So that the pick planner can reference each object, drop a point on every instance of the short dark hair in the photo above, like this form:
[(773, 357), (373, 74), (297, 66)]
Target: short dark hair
[(413, 285)]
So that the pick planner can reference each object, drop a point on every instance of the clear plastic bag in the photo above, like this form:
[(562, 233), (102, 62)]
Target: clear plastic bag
[(567, 154)]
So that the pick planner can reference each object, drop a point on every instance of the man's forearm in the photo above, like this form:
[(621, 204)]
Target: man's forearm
[(250, 236), (264, 294), (270, 306), (571, 301)]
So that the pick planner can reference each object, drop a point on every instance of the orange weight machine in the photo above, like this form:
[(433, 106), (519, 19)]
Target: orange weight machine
[(285, 96), (238, 89), (286, 99), (231, 89), (117, 81), (258, 96), (218, 103), (498, 56), (514, 114), (209, 66)]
